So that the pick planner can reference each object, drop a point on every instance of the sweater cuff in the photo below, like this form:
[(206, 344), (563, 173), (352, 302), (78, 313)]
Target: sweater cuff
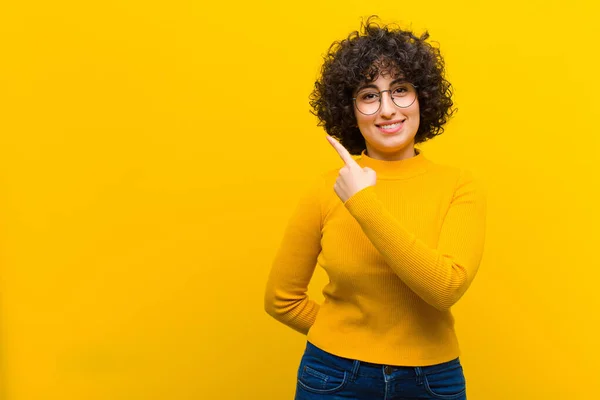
[(361, 200)]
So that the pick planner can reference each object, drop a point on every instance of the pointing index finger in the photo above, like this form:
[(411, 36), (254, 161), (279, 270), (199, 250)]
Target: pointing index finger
[(342, 152)]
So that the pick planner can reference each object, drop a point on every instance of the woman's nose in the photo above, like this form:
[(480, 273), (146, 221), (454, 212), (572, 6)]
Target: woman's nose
[(388, 108)]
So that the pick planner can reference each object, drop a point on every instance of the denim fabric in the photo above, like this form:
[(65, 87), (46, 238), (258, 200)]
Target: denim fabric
[(322, 375)]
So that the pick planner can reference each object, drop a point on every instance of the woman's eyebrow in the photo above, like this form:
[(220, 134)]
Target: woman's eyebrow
[(369, 85), (372, 85)]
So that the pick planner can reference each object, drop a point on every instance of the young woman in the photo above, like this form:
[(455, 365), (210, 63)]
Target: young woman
[(400, 237)]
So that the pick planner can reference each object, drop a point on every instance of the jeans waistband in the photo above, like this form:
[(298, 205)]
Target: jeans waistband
[(364, 368)]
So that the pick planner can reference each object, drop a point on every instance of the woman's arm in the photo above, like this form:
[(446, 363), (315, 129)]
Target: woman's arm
[(441, 275), (286, 297)]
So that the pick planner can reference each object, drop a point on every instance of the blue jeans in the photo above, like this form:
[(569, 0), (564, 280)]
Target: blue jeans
[(322, 375)]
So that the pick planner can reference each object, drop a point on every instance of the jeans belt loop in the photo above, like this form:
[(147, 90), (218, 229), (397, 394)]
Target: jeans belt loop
[(355, 367), (419, 373)]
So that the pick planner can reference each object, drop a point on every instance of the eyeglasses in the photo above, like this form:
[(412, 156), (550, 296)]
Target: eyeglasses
[(368, 100)]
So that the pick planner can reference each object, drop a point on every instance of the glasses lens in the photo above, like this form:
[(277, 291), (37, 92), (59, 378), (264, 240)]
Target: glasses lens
[(367, 101), (403, 94)]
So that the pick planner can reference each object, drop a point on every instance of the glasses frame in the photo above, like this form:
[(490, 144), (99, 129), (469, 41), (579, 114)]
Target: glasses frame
[(391, 96)]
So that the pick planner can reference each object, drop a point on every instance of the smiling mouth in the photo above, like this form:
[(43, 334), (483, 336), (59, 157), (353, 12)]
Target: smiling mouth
[(391, 126)]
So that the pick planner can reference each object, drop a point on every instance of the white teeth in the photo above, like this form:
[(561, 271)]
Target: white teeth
[(392, 126)]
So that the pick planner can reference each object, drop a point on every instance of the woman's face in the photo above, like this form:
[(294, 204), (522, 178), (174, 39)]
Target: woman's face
[(390, 132)]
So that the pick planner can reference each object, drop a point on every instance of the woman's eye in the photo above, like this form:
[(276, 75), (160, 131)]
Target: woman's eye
[(369, 96), (400, 90)]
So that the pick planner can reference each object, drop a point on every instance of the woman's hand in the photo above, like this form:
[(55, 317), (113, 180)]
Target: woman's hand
[(352, 178)]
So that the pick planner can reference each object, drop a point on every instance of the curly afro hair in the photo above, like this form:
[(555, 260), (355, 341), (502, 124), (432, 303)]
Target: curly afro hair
[(359, 59)]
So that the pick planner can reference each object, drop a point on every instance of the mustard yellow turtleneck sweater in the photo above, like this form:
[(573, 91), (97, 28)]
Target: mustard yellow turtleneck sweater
[(398, 255)]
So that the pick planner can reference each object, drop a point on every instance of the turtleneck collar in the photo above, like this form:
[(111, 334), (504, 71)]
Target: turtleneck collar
[(400, 169)]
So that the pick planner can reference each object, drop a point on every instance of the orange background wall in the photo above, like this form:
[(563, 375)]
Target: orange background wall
[(151, 152)]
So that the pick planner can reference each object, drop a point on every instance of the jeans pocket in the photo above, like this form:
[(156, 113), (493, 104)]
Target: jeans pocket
[(447, 382), (316, 377)]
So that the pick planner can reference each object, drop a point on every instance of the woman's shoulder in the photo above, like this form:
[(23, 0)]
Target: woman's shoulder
[(461, 178), (453, 171)]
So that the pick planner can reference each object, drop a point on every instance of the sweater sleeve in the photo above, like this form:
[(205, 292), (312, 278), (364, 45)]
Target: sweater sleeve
[(293, 266), (440, 276)]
